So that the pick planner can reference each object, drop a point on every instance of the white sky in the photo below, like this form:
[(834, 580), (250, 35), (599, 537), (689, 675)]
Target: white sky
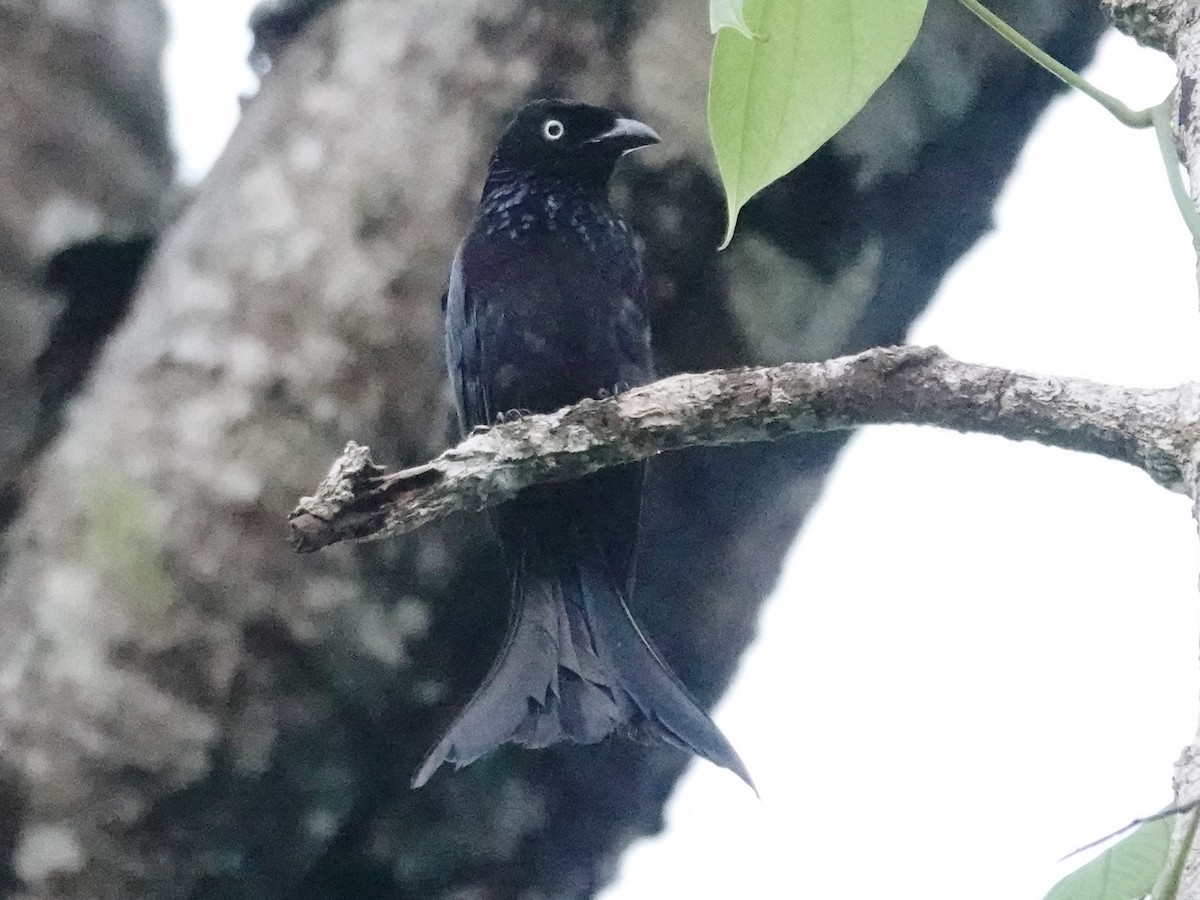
[(982, 654), (205, 72)]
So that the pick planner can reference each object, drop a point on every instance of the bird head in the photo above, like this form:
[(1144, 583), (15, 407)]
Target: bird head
[(568, 139)]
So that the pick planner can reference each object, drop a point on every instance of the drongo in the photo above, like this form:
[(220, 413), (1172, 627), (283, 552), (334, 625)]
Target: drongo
[(546, 306)]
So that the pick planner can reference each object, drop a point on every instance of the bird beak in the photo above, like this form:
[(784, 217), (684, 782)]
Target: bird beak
[(627, 134)]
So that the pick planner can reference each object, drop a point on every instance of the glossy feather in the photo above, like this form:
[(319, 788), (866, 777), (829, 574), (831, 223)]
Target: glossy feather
[(546, 305)]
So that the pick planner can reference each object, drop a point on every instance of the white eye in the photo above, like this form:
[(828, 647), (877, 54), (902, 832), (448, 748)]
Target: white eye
[(552, 129)]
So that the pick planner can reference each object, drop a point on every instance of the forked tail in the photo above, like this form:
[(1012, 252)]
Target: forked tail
[(576, 667)]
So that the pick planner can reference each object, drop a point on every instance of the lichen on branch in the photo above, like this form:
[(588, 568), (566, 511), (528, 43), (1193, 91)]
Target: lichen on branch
[(1154, 430)]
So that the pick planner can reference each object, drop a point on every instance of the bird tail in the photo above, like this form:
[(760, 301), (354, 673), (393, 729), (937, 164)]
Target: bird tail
[(576, 667)]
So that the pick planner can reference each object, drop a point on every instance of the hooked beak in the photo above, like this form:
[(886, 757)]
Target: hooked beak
[(626, 135)]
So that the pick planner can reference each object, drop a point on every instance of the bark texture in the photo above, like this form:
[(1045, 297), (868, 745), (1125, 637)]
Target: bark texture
[(187, 709), (1155, 430), (84, 166), (1174, 27)]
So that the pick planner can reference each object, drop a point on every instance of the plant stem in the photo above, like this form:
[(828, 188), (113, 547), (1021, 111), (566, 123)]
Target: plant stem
[(1167, 887), (1166, 145), (1134, 118)]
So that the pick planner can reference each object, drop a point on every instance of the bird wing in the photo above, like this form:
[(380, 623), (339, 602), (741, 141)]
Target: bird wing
[(464, 351), (543, 325)]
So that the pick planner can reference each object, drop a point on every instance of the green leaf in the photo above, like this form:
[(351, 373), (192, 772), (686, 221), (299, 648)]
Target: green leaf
[(728, 14), (773, 101), (1125, 871)]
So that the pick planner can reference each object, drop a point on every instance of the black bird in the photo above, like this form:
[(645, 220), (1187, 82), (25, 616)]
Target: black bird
[(546, 306)]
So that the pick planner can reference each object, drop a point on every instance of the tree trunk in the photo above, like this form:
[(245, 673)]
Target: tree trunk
[(188, 709), (84, 165)]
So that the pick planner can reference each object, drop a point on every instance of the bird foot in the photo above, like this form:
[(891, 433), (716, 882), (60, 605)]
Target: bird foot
[(619, 388), (512, 415)]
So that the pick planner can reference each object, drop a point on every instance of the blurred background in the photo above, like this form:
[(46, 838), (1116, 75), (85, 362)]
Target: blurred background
[(978, 655)]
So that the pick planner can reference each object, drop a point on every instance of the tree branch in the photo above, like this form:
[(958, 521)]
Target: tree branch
[(1174, 27), (1155, 430)]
